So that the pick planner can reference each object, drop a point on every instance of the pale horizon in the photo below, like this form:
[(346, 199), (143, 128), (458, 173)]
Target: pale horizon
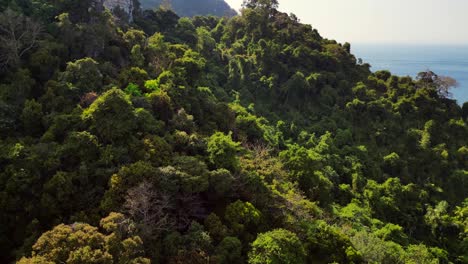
[(400, 22)]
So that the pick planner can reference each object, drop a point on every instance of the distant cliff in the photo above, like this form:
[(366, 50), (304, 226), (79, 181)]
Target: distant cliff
[(126, 5), (193, 7)]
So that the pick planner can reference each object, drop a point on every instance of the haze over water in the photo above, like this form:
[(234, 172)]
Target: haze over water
[(402, 60), (440, 44)]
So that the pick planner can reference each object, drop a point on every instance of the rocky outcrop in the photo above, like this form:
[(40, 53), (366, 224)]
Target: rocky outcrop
[(192, 8), (126, 5)]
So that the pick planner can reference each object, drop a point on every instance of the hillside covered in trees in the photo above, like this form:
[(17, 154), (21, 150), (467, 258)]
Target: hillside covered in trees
[(251, 139), (192, 8)]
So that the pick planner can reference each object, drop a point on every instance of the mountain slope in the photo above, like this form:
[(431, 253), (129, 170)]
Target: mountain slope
[(193, 7), (251, 139)]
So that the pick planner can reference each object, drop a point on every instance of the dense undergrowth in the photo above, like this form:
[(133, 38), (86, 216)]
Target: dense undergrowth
[(214, 140)]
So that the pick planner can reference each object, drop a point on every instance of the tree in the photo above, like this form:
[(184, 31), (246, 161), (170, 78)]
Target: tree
[(229, 251), (183, 121), (192, 247), (277, 247), (327, 243), (437, 218), (296, 88), (32, 117), (420, 254), (18, 35), (162, 105), (242, 216), (84, 75), (82, 243), (157, 53), (221, 181), (322, 137), (59, 188), (186, 31), (223, 151), (206, 44), (126, 178), (376, 250), (215, 227), (444, 85), (149, 209), (441, 84), (306, 166), (190, 66), (135, 76), (111, 116), (392, 232), (137, 57), (80, 147), (18, 87), (194, 176)]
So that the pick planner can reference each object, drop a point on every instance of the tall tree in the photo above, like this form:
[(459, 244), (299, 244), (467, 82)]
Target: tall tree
[(18, 35)]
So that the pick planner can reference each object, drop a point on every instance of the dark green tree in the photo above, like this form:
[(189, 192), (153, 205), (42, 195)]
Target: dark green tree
[(111, 116)]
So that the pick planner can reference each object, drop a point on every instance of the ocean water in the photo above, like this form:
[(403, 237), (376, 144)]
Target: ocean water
[(409, 60)]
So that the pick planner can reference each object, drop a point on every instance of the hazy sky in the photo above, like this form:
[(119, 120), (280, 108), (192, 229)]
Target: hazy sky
[(383, 21)]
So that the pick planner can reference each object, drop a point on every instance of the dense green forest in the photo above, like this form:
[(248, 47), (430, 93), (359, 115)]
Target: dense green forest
[(192, 7), (250, 139)]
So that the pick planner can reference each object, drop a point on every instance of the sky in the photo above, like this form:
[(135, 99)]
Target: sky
[(382, 21)]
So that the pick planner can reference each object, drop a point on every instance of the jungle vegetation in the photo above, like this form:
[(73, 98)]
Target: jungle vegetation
[(250, 139)]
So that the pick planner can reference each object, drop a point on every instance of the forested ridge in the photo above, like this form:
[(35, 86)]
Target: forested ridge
[(250, 139)]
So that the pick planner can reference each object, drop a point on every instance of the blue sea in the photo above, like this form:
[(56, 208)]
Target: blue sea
[(409, 60)]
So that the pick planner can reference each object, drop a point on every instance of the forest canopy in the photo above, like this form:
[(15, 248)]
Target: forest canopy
[(250, 139)]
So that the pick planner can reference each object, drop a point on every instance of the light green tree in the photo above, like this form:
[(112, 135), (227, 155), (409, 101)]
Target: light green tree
[(223, 151), (277, 247)]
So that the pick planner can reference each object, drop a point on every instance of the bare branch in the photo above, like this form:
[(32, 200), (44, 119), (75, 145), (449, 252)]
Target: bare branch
[(442, 84), (18, 35), (149, 209)]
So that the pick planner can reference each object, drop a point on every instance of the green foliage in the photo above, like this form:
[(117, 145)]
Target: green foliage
[(111, 116), (305, 165), (242, 216), (133, 89), (420, 254), (32, 117), (152, 85), (82, 243), (229, 251), (392, 163), (215, 227), (126, 178), (223, 151), (221, 181), (247, 124), (326, 243), (161, 104), (84, 75), (194, 177), (392, 232), (17, 87), (277, 246), (133, 77), (375, 250), (147, 123), (137, 57)]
